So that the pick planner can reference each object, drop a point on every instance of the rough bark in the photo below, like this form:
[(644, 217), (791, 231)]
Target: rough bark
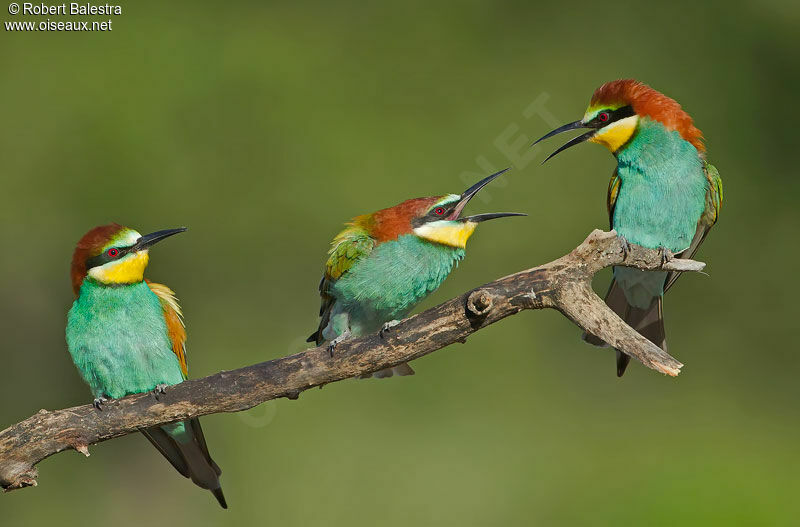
[(564, 284)]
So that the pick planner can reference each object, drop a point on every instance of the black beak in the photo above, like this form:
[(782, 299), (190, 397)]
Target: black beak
[(572, 142), (474, 189), (470, 193), (477, 218), (153, 238)]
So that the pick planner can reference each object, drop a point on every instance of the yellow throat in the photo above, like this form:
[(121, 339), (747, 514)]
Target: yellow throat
[(616, 134), (452, 233), (128, 270)]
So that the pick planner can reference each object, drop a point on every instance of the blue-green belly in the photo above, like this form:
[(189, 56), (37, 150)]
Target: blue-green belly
[(118, 340), (389, 283), (661, 197)]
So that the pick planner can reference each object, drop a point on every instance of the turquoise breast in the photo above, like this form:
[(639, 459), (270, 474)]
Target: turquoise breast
[(118, 340), (392, 280), (663, 189)]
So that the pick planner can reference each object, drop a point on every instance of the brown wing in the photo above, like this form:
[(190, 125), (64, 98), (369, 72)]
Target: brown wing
[(174, 319), (707, 220)]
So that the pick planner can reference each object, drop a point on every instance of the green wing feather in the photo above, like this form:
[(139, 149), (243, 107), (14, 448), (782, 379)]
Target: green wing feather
[(707, 219), (348, 247)]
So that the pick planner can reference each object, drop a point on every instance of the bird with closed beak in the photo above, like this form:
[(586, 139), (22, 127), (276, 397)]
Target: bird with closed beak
[(126, 335)]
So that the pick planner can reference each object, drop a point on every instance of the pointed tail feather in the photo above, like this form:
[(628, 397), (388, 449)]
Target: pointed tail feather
[(201, 440), (648, 322), (164, 444), (184, 446), (622, 363)]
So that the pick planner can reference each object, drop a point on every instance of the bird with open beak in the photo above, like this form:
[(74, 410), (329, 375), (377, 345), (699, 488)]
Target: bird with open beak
[(382, 264), (663, 194)]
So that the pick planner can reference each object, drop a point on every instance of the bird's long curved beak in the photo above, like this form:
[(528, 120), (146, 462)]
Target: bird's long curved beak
[(572, 142), (470, 193), (477, 218), (154, 237)]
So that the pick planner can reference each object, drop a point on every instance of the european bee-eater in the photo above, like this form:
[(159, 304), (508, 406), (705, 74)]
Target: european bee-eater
[(663, 194), (384, 263), (126, 335)]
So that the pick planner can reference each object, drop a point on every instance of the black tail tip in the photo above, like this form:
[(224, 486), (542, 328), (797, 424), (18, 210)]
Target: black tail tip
[(622, 363), (220, 497)]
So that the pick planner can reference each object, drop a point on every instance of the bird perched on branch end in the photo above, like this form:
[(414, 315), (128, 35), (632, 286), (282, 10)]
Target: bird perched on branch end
[(384, 263), (663, 194), (126, 335)]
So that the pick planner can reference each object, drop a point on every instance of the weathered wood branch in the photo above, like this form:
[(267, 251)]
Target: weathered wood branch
[(564, 284)]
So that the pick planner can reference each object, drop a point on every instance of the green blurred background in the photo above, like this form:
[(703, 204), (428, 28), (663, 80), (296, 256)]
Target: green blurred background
[(264, 126)]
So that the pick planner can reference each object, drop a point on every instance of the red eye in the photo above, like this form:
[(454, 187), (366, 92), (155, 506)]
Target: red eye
[(439, 211), (113, 253), (603, 116)]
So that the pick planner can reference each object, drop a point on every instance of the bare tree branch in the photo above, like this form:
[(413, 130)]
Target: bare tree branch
[(564, 284)]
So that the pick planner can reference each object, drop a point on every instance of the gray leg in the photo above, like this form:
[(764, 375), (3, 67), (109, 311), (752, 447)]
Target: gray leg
[(100, 401), (160, 389), (626, 248), (666, 255), (338, 340)]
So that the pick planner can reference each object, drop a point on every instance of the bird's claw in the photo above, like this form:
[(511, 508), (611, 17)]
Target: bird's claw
[(666, 255), (338, 340), (99, 402), (387, 327), (626, 248), (160, 389)]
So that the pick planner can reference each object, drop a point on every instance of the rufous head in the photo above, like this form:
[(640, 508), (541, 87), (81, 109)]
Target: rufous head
[(614, 113), (436, 219), (113, 255)]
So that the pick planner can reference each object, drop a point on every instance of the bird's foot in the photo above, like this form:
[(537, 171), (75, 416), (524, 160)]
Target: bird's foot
[(626, 248), (666, 255), (338, 340), (99, 402), (159, 390), (387, 327)]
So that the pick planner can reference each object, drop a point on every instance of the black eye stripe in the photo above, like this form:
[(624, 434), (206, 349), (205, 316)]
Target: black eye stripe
[(103, 258), (446, 209), (613, 115)]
